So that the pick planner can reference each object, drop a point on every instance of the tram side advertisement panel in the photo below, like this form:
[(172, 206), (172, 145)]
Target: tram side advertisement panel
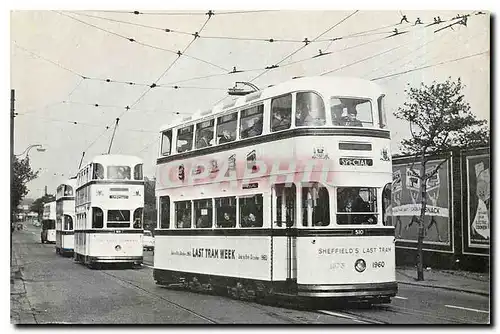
[(341, 260), (247, 257)]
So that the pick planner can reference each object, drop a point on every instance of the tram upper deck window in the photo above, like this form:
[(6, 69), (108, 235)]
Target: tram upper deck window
[(251, 121), (351, 111), (357, 206), (381, 112), (164, 212), (204, 134), (281, 111), (118, 218), (315, 205), (225, 212), (251, 211), (166, 143), (98, 172), (310, 110), (118, 173), (138, 172), (183, 214), (185, 139), (68, 190), (226, 128), (203, 213)]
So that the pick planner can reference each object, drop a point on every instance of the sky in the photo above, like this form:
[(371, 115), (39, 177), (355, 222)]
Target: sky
[(50, 51)]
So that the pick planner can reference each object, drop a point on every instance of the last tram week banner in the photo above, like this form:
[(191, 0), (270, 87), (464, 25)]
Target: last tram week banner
[(406, 199)]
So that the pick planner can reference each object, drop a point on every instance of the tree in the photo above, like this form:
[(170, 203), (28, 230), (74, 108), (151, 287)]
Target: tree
[(37, 205), (21, 175), (439, 119)]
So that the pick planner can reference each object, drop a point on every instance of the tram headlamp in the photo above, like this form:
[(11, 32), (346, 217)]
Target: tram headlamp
[(360, 265), (118, 248)]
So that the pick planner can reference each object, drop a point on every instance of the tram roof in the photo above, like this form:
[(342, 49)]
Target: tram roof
[(107, 159), (341, 86), (70, 182)]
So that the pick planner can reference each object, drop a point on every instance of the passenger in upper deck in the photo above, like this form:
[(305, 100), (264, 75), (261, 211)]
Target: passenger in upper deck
[(351, 119), (307, 116), (254, 128), (226, 137), (205, 139)]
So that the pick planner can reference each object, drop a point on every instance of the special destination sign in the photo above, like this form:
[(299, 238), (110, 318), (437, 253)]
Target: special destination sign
[(355, 162)]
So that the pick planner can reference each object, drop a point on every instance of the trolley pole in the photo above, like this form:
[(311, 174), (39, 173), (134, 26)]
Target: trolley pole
[(12, 115)]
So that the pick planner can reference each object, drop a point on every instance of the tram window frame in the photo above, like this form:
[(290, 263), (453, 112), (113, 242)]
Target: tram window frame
[(125, 171), (122, 223), (387, 205), (243, 205), (280, 110), (358, 215), (189, 145), (68, 190), (138, 215), (381, 112), (202, 128), (300, 120), (221, 210), (168, 135), (187, 209), (68, 223), (223, 123), (248, 114), (340, 111), (164, 212), (98, 171), (320, 216), (138, 172), (203, 204), (95, 213), (290, 207)]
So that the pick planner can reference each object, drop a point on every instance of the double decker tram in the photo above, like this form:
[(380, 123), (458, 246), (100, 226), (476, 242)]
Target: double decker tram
[(109, 211), (65, 216), (48, 233), (280, 192)]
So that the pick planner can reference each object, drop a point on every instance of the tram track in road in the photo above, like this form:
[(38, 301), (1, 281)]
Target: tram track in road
[(156, 295)]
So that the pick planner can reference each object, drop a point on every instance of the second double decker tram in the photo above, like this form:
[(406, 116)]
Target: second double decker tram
[(109, 210), (282, 191), (65, 217)]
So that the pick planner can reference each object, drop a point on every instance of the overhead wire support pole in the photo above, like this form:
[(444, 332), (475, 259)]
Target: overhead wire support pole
[(12, 115), (113, 136)]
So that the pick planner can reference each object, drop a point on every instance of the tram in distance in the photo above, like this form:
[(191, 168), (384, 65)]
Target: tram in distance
[(283, 191), (48, 233), (109, 207), (65, 216)]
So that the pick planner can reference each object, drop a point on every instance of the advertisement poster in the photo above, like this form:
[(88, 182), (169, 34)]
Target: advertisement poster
[(478, 200), (406, 207)]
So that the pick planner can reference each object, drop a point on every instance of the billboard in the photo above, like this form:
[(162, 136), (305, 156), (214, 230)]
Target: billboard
[(406, 203), (478, 200)]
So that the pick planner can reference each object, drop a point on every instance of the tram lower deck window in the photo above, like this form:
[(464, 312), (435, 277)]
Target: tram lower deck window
[(225, 211), (118, 218), (183, 214), (357, 206), (315, 205), (203, 213), (251, 211)]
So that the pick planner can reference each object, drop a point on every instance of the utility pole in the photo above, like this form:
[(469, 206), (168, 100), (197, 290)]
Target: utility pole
[(12, 115)]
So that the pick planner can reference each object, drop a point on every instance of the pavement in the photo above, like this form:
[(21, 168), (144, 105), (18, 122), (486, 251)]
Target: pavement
[(20, 308), (454, 280)]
